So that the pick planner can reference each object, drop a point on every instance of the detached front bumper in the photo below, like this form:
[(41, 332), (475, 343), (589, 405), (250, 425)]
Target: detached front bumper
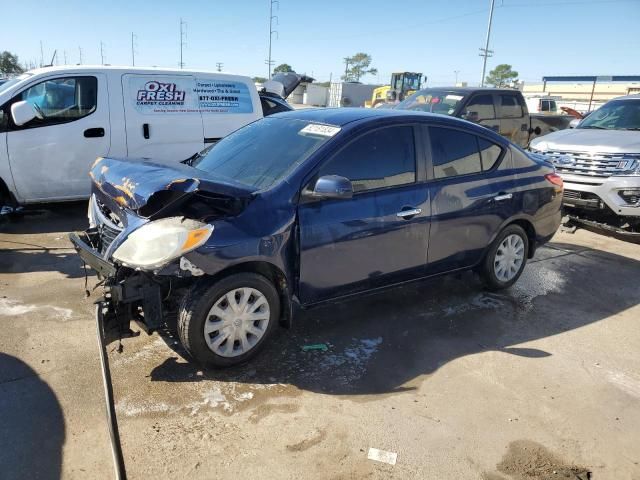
[(128, 295)]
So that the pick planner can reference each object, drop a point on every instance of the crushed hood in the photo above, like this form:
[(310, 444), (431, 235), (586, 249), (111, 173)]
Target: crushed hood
[(590, 140), (150, 187)]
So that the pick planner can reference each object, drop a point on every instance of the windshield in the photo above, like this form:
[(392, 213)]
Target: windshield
[(10, 83), (263, 152), (615, 115), (431, 100)]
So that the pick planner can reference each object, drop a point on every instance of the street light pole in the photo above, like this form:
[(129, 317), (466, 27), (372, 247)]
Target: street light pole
[(486, 52)]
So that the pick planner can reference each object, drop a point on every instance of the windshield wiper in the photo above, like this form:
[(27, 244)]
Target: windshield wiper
[(596, 127), (632, 128)]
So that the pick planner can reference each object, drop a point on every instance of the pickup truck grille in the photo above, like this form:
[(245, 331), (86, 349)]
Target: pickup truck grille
[(593, 165)]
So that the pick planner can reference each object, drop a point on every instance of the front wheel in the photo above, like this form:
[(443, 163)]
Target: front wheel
[(506, 258), (228, 322)]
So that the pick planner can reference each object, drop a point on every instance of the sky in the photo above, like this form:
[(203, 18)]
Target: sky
[(434, 37)]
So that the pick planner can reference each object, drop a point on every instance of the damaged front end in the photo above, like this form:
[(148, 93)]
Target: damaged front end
[(139, 233)]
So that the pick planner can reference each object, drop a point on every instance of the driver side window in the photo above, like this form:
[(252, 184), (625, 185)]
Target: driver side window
[(62, 100)]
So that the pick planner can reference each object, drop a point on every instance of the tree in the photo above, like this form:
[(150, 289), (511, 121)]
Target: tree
[(9, 64), (502, 76), (283, 68), (358, 66), (259, 79)]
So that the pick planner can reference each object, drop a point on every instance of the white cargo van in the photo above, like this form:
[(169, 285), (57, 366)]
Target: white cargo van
[(55, 121)]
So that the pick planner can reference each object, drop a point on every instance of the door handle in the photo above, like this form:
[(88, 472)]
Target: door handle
[(94, 132), (145, 130), (501, 197), (409, 213)]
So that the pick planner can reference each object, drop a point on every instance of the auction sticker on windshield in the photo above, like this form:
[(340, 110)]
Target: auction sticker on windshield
[(321, 130)]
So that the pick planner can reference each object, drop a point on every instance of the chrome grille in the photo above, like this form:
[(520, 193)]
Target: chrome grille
[(593, 164)]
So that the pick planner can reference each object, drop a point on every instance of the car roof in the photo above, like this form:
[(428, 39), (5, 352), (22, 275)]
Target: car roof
[(340, 117), (635, 96)]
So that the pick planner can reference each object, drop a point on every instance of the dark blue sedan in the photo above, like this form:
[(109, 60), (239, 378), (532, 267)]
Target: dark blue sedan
[(306, 207)]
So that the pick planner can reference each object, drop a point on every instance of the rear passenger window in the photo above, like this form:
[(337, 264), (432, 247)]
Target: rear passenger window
[(454, 153), (489, 153), (509, 106), (379, 159)]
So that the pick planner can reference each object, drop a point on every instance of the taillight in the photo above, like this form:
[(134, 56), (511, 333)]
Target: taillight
[(556, 180)]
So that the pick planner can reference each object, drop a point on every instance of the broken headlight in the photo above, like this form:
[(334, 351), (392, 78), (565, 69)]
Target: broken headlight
[(157, 243)]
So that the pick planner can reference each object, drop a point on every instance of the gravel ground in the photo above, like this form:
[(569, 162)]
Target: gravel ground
[(541, 381)]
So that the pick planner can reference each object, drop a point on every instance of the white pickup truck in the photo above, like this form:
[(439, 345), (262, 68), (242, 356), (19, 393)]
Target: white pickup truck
[(55, 121), (599, 161)]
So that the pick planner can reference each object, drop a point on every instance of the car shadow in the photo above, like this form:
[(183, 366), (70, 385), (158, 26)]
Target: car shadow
[(380, 343), (32, 423), (27, 246)]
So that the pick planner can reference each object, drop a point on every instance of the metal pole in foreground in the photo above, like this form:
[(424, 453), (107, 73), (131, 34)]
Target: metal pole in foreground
[(486, 45), (116, 449)]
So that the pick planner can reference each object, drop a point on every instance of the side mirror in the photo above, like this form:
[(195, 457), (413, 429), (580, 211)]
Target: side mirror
[(22, 112), (331, 186)]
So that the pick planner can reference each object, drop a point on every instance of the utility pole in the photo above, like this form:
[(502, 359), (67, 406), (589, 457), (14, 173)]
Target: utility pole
[(41, 54), (456, 72), (219, 66), (101, 52), (80, 52), (270, 61), (133, 49), (485, 52), (183, 41)]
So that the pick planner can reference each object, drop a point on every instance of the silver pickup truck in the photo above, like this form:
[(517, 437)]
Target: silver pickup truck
[(599, 162)]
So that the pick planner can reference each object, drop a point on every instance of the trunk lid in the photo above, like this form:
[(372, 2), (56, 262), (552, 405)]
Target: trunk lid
[(152, 188)]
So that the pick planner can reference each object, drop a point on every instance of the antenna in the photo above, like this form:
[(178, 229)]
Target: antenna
[(134, 37), (485, 52), (64, 55), (41, 54), (53, 57), (219, 66), (270, 61), (80, 52), (101, 52), (183, 40)]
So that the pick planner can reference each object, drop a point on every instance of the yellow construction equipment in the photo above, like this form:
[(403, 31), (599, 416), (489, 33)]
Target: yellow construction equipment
[(402, 85)]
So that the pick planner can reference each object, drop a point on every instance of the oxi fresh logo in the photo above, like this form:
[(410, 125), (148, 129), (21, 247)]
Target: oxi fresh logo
[(158, 91)]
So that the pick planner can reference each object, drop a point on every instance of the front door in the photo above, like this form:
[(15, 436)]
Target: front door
[(50, 157), (471, 196), (379, 236), (162, 116)]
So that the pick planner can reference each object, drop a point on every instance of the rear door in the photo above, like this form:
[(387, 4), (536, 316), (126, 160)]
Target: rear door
[(513, 117), (50, 157), (471, 191), (162, 116), (379, 236)]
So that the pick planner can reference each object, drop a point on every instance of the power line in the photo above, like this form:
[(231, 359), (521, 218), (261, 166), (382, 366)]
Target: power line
[(485, 52), (183, 40), (269, 60), (133, 49)]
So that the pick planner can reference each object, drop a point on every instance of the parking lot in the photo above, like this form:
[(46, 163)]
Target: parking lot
[(541, 381)]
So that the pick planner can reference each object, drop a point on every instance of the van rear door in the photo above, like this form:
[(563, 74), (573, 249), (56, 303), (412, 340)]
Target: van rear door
[(162, 116)]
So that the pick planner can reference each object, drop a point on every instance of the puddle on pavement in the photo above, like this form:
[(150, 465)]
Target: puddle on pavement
[(527, 460)]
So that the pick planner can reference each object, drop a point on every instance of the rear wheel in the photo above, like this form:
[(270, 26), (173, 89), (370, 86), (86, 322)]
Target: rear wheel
[(506, 258), (228, 322)]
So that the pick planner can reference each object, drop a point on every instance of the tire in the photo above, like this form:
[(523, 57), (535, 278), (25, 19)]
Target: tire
[(509, 251), (213, 348)]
